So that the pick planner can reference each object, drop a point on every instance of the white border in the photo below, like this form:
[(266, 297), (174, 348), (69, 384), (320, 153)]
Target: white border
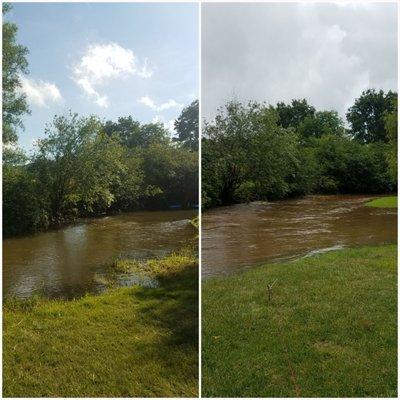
[(200, 203), (200, 2)]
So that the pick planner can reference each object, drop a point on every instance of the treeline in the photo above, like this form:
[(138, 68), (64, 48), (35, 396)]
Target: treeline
[(263, 152), (84, 167), (87, 167)]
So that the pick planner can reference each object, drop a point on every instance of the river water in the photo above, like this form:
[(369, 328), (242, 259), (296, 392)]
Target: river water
[(65, 262), (244, 235)]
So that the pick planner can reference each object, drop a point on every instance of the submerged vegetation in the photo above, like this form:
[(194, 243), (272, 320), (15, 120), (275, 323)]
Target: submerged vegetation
[(261, 152), (127, 342), (383, 202), (157, 267), (328, 329)]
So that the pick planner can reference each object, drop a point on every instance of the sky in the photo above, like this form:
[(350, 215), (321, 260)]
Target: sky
[(110, 60), (325, 53)]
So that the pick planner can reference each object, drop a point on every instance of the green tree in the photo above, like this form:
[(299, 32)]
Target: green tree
[(367, 115), (247, 155), (171, 176), (23, 204), (391, 126), (77, 166), (187, 126), (14, 64), (132, 133), (291, 115), (320, 124)]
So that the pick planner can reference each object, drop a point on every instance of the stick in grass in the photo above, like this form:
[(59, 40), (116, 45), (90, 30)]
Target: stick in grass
[(269, 287)]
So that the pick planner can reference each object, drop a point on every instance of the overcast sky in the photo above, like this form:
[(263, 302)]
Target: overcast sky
[(107, 59), (326, 53)]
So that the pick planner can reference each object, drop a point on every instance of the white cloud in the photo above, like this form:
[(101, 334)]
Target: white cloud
[(102, 63), (148, 102), (168, 125), (39, 92), (102, 101)]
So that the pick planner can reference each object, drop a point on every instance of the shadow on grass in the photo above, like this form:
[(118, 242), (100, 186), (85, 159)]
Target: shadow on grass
[(174, 307)]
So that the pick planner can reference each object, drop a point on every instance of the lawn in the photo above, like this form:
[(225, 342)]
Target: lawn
[(128, 342), (383, 202), (329, 330)]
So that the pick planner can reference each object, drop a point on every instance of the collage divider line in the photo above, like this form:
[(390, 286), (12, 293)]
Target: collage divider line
[(199, 202)]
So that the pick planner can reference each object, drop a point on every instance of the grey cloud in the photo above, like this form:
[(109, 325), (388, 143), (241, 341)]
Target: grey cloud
[(326, 53)]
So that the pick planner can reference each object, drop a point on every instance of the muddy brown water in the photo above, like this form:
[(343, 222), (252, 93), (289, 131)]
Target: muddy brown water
[(64, 263), (244, 235)]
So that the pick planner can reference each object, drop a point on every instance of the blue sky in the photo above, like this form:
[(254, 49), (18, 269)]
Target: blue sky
[(110, 60)]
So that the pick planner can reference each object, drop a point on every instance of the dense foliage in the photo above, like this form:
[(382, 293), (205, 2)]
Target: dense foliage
[(258, 152), (187, 126), (84, 167)]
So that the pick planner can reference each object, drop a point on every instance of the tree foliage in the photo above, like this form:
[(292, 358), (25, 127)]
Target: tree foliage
[(14, 64), (255, 151), (187, 126), (367, 115), (291, 115), (83, 167), (391, 127)]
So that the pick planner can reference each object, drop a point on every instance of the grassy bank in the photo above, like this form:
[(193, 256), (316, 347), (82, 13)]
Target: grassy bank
[(330, 329), (383, 202), (128, 342)]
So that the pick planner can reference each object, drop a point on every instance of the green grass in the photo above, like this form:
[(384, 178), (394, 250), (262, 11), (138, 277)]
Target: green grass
[(383, 202), (330, 329), (128, 342), (156, 268)]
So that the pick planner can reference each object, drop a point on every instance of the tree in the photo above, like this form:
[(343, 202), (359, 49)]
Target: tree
[(367, 115), (248, 156), (132, 133), (187, 126), (171, 176), (14, 64), (77, 166), (320, 124), (24, 208), (348, 166), (391, 131), (291, 115)]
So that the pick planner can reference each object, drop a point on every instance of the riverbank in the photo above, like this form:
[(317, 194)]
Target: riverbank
[(383, 202), (329, 330), (128, 342)]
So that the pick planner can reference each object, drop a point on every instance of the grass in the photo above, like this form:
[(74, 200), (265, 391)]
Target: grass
[(156, 268), (128, 342), (195, 222), (330, 329), (383, 202)]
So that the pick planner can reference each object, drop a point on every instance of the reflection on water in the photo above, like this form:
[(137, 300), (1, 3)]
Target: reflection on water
[(64, 262), (244, 235)]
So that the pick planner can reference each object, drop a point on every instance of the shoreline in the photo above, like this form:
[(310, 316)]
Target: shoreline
[(373, 195), (78, 348)]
